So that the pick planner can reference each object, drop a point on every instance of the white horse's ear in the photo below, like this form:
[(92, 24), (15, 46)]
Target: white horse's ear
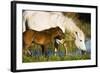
[(76, 34)]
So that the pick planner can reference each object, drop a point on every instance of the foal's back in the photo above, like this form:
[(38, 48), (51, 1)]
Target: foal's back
[(42, 37)]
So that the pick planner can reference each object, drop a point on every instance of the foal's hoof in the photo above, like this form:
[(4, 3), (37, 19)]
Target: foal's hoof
[(27, 53)]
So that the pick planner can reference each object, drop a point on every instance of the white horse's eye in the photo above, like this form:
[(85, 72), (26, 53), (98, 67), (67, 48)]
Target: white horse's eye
[(76, 32), (80, 40), (78, 36)]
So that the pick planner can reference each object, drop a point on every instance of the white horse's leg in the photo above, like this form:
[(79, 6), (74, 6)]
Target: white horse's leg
[(66, 51), (56, 51)]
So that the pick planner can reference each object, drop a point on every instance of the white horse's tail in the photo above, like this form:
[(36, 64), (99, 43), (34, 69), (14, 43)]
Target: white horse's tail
[(26, 25), (25, 21)]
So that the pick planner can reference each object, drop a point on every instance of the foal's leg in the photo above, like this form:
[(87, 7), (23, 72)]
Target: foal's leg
[(27, 44), (26, 49), (44, 50)]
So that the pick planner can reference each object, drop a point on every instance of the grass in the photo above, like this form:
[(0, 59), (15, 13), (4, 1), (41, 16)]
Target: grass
[(38, 57), (55, 58)]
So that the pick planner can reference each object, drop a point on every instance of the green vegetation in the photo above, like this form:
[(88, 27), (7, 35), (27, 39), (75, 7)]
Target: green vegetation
[(54, 58)]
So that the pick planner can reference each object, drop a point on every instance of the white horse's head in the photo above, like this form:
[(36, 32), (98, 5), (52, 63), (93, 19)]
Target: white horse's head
[(80, 40), (78, 34)]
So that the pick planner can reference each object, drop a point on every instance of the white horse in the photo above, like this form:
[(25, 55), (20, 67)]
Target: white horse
[(41, 20)]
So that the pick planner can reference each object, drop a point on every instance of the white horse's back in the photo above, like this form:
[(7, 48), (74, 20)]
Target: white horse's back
[(39, 21)]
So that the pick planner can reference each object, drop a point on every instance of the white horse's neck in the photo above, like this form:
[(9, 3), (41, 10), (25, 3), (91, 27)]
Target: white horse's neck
[(71, 26)]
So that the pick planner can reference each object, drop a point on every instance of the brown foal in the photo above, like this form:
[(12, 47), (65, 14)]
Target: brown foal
[(42, 38)]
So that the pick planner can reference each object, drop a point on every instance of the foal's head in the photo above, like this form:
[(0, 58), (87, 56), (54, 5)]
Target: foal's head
[(57, 33)]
